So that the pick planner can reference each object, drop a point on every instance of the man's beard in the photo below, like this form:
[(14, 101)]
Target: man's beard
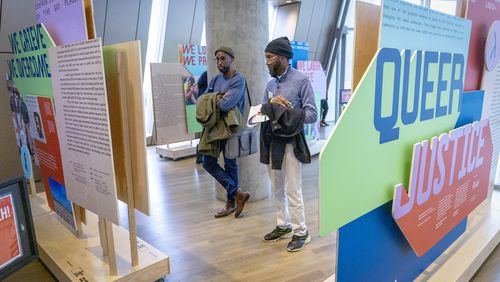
[(274, 71), (224, 69)]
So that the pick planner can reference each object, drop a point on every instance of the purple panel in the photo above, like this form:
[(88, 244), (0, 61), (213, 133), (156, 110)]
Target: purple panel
[(64, 20)]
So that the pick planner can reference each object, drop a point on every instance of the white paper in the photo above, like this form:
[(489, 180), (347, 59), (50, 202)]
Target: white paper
[(82, 121), (255, 116)]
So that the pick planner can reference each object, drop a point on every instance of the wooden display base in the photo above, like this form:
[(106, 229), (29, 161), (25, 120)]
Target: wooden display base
[(71, 258), (177, 150)]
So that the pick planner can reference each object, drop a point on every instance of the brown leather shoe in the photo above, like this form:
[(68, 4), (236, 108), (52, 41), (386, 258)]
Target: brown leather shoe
[(241, 199), (228, 209)]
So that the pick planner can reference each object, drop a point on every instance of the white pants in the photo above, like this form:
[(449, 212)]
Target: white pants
[(287, 190)]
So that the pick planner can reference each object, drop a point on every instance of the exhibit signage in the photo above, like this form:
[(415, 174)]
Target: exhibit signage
[(300, 52), (32, 75), (10, 244), (411, 91), (316, 75), (122, 67), (491, 54), (482, 14), (168, 103), (407, 26), (17, 234), (402, 98), (407, 94), (194, 58), (432, 98), (491, 77), (83, 123), (26, 161), (449, 178), (65, 20)]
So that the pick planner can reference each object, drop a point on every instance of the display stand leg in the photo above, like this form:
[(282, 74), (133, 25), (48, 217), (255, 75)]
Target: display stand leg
[(111, 248), (32, 184), (78, 219), (102, 236), (128, 167), (133, 232)]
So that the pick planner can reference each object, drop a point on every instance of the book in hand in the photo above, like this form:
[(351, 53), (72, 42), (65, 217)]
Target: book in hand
[(255, 116)]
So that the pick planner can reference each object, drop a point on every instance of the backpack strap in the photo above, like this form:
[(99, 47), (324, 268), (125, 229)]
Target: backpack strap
[(248, 93)]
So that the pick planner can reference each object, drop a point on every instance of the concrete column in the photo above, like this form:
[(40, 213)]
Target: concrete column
[(243, 26)]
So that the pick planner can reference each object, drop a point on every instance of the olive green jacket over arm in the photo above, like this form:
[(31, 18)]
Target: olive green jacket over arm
[(216, 125)]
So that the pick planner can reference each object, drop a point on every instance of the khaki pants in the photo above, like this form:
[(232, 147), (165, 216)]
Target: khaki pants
[(287, 189)]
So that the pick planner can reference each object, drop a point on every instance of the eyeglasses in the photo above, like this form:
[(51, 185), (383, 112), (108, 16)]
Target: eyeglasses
[(267, 60)]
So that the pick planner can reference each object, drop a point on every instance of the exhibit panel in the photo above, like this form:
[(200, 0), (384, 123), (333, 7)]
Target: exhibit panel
[(79, 112), (316, 75), (194, 58), (168, 103), (17, 235), (490, 78), (482, 14), (65, 20), (365, 38), (122, 65), (32, 74), (83, 122), (412, 91)]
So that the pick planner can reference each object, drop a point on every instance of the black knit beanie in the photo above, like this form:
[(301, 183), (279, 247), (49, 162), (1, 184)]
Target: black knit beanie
[(280, 46)]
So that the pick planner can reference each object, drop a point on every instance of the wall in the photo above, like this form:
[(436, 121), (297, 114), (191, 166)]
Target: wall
[(184, 25), (286, 21), (118, 21), (14, 15), (315, 26)]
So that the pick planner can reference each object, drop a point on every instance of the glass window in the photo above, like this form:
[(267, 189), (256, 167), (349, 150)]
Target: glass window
[(444, 6), (154, 53)]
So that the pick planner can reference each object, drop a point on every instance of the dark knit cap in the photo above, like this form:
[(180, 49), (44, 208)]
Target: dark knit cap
[(226, 50), (280, 46)]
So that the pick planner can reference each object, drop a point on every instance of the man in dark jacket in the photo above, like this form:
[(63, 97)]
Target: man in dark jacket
[(289, 103), (232, 84)]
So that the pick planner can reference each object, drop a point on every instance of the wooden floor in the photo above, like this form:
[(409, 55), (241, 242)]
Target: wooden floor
[(202, 248)]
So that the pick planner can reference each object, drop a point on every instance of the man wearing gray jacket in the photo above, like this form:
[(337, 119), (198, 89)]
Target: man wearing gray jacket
[(292, 90)]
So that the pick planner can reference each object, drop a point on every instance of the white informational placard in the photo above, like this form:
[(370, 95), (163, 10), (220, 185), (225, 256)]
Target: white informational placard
[(168, 103), (83, 124), (407, 26), (491, 110)]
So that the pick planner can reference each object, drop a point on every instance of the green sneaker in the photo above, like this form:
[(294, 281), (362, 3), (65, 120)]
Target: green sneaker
[(278, 234), (298, 242)]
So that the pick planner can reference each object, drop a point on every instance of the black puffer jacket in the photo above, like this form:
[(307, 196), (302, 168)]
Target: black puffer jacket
[(285, 126)]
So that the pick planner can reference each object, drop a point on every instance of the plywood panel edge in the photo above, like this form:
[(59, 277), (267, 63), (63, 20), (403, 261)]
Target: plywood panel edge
[(365, 38)]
